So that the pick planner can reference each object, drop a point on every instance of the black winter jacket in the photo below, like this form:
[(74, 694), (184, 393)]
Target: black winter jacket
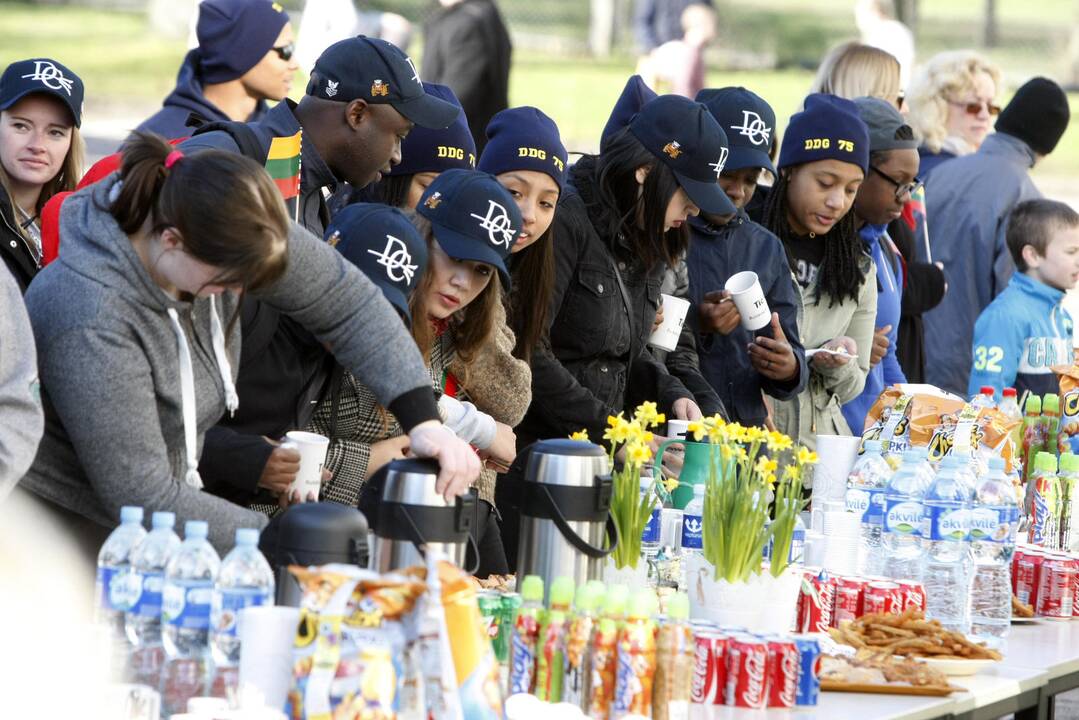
[(15, 248), (923, 289)]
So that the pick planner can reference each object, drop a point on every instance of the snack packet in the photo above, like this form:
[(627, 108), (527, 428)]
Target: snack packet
[(1068, 437)]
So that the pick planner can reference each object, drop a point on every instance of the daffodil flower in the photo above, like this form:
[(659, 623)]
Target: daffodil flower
[(580, 435)]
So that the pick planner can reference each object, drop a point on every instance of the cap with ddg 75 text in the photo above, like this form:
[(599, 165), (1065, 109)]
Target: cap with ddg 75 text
[(41, 75), (363, 68)]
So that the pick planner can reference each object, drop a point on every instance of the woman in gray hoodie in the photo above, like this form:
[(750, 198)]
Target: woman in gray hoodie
[(138, 341)]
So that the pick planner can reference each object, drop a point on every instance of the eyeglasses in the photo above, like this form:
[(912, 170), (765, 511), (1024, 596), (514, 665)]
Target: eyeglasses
[(285, 51), (901, 189), (975, 108)]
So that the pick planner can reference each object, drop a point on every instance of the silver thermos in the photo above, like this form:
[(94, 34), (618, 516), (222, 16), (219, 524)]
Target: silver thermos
[(411, 515), (566, 526)]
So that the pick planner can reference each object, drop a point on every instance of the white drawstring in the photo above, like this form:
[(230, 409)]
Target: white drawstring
[(232, 400), (187, 397)]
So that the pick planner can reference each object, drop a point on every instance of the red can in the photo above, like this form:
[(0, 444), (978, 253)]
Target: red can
[(1056, 588), (1020, 552), (1026, 582), (849, 593), (913, 594), (816, 605), (747, 676), (709, 668), (782, 672), (883, 597)]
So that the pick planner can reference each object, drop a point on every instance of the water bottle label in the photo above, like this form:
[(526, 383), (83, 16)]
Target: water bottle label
[(227, 604), (111, 588), (994, 524), (187, 604), (867, 502), (145, 589), (692, 532), (903, 517), (651, 530), (946, 521)]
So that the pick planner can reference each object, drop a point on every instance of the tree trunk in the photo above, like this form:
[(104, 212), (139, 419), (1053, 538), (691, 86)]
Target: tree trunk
[(906, 12), (601, 27), (990, 37)]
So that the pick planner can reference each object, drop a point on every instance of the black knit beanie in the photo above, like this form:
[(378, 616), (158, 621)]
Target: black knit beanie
[(1038, 115)]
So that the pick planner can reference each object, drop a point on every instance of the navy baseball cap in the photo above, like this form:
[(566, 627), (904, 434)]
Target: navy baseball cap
[(748, 121), (684, 136), (385, 245), (634, 95), (437, 150), (474, 217), (41, 75), (363, 68)]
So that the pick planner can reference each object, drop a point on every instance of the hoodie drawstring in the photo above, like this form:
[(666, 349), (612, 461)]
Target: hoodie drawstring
[(232, 400), (187, 397)]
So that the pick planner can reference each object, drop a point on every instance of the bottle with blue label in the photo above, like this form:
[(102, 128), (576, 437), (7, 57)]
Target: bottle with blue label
[(143, 623), (866, 487), (113, 569), (903, 496), (185, 613), (693, 524), (651, 535), (245, 580), (994, 522), (946, 528)]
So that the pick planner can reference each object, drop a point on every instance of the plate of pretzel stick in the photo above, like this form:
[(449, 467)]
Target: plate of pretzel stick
[(911, 635)]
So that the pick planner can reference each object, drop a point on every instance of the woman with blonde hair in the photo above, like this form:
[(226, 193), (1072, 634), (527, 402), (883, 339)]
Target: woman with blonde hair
[(41, 154), (853, 70), (951, 105)]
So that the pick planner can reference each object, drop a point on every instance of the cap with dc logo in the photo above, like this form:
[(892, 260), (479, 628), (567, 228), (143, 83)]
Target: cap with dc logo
[(41, 75), (685, 137), (385, 245), (473, 216), (748, 121), (371, 69)]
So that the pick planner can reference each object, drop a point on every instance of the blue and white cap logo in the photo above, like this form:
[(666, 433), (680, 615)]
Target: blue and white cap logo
[(395, 258), (50, 76), (754, 128), (497, 223)]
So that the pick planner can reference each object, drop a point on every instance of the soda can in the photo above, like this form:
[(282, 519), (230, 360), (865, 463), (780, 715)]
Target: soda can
[(913, 594), (490, 605), (848, 599), (1020, 551), (782, 672), (1026, 583), (883, 597), (509, 604), (709, 667), (747, 676), (1056, 587), (809, 662), (816, 606)]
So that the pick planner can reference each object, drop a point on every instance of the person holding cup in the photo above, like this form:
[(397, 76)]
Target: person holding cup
[(744, 355), (823, 161)]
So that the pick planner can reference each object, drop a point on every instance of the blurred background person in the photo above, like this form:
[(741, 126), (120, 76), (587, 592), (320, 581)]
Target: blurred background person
[(324, 22), (879, 28), (677, 66), (852, 70)]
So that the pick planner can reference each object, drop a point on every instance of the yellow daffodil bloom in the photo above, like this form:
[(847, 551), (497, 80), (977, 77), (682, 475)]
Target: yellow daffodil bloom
[(637, 454), (777, 441), (580, 435), (696, 429), (671, 484), (806, 457)]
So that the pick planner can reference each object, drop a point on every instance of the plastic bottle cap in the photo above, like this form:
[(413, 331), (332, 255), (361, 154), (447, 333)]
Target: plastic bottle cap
[(996, 463), (699, 490), (1069, 462), (1051, 403), (617, 596), (248, 537), (643, 604), (562, 591), (588, 598), (678, 606), (1010, 392), (923, 452), (532, 588), (130, 514), (873, 446), (1034, 405), (911, 456), (987, 390), (1045, 462), (597, 587), (196, 529), (163, 520), (646, 483)]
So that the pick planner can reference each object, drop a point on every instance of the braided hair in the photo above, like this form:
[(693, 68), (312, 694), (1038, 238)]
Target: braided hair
[(841, 272)]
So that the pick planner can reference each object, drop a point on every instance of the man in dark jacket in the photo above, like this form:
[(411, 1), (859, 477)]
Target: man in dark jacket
[(467, 47), (658, 21), (244, 58), (362, 100)]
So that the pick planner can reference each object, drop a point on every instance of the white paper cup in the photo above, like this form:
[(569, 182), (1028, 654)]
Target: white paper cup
[(666, 335), (267, 636), (678, 428), (748, 297), (312, 449)]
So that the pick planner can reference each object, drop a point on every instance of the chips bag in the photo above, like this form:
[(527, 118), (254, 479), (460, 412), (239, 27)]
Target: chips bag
[(1068, 437)]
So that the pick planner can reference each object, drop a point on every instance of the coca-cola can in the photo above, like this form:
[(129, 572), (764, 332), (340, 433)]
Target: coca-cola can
[(809, 663), (1026, 583), (709, 686), (913, 594), (782, 672), (848, 599), (747, 676), (1020, 552), (1056, 588), (816, 607), (883, 597)]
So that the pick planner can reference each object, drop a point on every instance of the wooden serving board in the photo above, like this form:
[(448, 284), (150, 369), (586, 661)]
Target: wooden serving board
[(933, 690)]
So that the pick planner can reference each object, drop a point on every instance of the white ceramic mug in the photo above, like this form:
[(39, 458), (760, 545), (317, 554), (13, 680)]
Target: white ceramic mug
[(748, 297), (677, 428), (666, 335), (312, 449)]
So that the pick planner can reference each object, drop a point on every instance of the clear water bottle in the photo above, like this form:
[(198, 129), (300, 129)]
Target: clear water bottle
[(143, 622), (866, 485), (946, 529), (113, 567), (245, 580), (798, 541), (693, 525), (985, 398), (903, 542), (185, 613), (994, 522), (650, 538)]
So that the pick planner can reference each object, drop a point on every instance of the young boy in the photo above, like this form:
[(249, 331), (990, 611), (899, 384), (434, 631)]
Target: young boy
[(1026, 330)]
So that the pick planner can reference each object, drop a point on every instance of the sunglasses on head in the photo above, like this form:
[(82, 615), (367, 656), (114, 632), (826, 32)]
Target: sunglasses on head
[(285, 51), (974, 108)]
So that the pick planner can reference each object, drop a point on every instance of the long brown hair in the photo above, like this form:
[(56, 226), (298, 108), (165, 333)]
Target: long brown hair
[(533, 277), (473, 326), (224, 206)]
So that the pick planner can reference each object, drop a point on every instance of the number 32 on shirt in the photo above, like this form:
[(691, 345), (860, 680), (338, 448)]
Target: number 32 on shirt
[(988, 358)]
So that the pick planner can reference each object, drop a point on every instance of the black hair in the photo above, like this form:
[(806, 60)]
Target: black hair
[(841, 272), (533, 274), (1033, 223), (391, 190), (638, 211)]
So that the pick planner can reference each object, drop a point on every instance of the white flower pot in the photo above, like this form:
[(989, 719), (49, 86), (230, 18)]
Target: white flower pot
[(633, 578), (764, 604)]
